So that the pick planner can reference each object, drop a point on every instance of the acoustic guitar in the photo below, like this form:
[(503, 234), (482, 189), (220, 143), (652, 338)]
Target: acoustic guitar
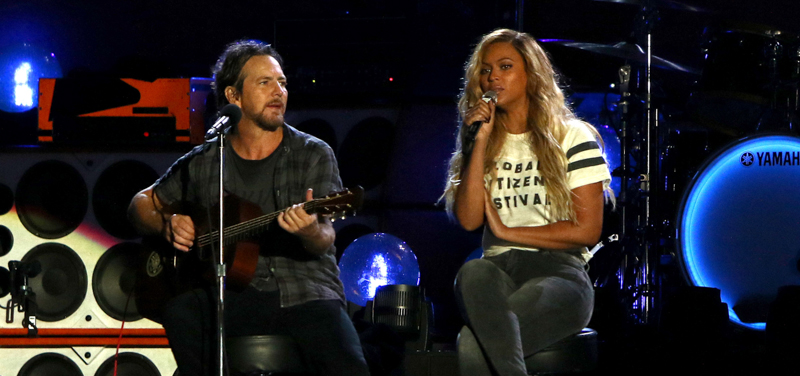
[(164, 272)]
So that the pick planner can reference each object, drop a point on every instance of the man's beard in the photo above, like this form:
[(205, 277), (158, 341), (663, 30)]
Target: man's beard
[(269, 124)]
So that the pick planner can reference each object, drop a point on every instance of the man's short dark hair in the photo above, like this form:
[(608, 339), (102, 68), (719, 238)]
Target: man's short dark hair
[(228, 69)]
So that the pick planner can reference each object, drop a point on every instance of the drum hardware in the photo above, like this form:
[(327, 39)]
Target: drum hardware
[(644, 204), (781, 114), (749, 80), (643, 283), (629, 51), (640, 145), (627, 265)]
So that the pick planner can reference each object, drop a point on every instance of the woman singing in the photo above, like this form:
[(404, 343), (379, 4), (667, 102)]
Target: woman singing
[(535, 178)]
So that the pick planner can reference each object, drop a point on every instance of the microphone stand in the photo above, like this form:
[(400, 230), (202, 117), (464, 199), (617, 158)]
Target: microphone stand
[(22, 296), (220, 265)]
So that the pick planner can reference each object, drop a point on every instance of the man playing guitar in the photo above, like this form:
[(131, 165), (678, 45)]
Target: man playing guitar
[(296, 289)]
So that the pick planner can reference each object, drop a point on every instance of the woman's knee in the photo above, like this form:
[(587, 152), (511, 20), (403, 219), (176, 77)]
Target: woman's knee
[(477, 272), (466, 340)]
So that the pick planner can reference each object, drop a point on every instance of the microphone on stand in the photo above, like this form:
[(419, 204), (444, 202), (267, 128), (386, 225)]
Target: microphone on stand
[(21, 294), (228, 117), (472, 130)]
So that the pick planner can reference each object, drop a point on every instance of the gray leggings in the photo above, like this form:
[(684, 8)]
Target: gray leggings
[(517, 303)]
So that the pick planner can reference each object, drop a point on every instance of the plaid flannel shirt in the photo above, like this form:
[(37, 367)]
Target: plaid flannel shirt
[(306, 162)]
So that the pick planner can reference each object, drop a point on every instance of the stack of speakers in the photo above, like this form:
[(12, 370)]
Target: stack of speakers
[(64, 211)]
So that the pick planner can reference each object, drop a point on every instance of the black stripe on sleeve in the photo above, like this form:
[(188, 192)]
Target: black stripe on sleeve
[(583, 163), (588, 145)]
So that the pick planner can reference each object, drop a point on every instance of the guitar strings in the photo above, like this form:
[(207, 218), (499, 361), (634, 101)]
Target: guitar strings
[(231, 232), (234, 231)]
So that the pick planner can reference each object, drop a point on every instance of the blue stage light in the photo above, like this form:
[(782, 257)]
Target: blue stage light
[(611, 153), (376, 260), (23, 94), (21, 67), (595, 108), (737, 225)]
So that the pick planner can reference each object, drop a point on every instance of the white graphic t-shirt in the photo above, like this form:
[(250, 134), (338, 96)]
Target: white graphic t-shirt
[(519, 193)]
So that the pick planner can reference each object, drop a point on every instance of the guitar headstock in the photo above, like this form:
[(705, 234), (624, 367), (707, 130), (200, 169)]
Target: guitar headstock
[(338, 204)]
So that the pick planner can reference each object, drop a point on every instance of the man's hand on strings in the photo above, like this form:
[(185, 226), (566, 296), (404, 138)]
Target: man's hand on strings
[(296, 221)]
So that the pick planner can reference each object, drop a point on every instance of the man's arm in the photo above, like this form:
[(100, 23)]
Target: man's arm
[(321, 175), (150, 216)]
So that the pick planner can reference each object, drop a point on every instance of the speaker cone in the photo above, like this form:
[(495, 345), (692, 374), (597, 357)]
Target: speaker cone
[(61, 285), (52, 199), (128, 364), (50, 364), (113, 192), (6, 240), (6, 199), (114, 279)]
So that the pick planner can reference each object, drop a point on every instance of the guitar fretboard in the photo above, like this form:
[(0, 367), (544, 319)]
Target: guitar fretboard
[(255, 226)]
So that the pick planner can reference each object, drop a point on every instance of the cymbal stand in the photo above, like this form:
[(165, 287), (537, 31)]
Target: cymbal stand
[(639, 218), (794, 97), (633, 197), (781, 115), (624, 199), (647, 276), (624, 107)]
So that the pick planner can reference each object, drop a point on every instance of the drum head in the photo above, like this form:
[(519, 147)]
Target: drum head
[(738, 225)]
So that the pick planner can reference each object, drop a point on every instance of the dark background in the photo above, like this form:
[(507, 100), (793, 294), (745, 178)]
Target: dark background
[(351, 48), (426, 42)]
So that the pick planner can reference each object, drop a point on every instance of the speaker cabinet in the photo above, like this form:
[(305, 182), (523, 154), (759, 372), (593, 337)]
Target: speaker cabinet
[(65, 212), (363, 140), (86, 361)]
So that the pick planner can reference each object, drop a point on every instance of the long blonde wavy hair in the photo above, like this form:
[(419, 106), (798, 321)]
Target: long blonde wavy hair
[(548, 116)]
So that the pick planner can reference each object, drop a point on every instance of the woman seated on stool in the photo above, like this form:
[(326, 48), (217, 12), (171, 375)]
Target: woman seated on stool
[(535, 178)]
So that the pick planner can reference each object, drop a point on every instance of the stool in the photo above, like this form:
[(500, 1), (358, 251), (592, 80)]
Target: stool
[(264, 355), (574, 354)]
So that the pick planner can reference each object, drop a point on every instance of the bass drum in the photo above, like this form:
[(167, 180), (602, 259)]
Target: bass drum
[(738, 225)]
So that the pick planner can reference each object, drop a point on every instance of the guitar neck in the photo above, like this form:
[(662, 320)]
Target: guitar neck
[(255, 226)]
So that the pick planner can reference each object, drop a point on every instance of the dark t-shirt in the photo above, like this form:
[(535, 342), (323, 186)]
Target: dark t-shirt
[(253, 180)]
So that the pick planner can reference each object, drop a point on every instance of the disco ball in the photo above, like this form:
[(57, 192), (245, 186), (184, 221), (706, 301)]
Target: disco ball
[(376, 260)]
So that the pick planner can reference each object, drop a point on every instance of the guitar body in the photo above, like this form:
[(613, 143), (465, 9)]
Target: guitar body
[(165, 272)]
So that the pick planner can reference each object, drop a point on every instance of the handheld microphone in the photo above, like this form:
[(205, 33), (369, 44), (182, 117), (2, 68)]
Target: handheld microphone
[(228, 117), (472, 130), (489, 96)]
